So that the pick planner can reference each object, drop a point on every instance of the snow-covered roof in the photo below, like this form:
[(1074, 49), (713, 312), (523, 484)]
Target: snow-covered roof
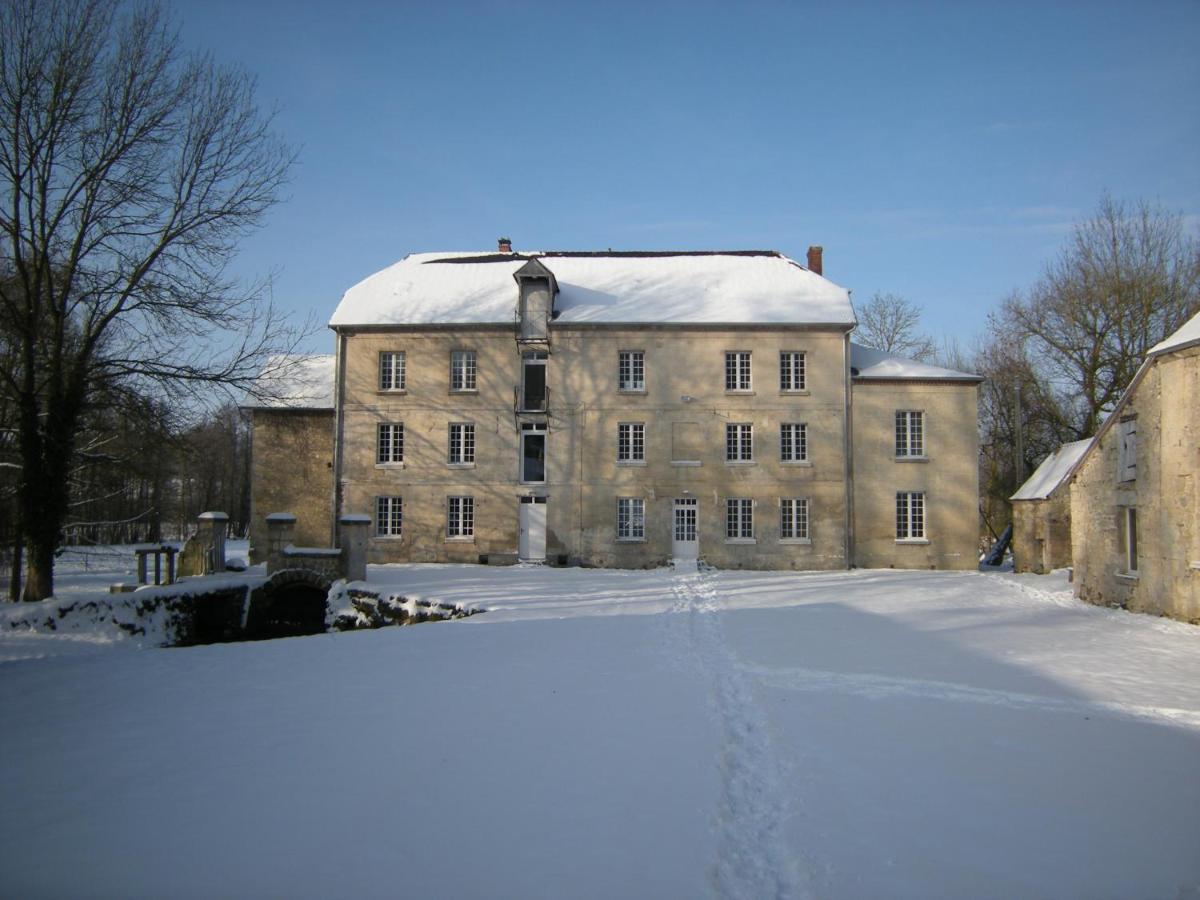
[(1188, 334), (869, 363), (606, 287), (1052, 472), (292, 381)]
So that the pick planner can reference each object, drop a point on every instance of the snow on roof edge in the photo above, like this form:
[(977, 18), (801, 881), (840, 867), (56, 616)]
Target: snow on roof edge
[(878, 365), (1053, 471), (294, 381), (1186, 335)]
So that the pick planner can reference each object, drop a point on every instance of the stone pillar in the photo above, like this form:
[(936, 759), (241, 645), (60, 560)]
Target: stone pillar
[(281, 527), (212, 537), (352, 538)]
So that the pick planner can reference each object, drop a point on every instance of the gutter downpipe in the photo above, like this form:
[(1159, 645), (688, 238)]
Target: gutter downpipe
[(848, 455), (339, 431)]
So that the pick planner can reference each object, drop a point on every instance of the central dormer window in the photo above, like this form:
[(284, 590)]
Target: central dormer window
[(462, 370)]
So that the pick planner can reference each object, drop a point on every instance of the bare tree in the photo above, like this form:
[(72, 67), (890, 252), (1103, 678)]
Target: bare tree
[(890, 323), (129, 170), (1127, 278)]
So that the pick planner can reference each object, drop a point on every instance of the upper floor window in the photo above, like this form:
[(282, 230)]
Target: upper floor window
[(631, 519), (631, 370), (739, 519), (793, 518), (388, 516), (910, 515), (391, 370), (1127, 450), (460, 517), (739, 442), (462, 370), (793, 442), (910, 433), (462, 443), (737, 370), (791, 371), (533, 453), (631, 442), (389, 446)]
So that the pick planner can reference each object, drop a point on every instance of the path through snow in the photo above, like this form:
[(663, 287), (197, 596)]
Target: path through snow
[(753, 859)]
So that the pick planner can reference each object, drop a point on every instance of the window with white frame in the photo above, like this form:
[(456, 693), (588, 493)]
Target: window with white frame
[(793, 518), (910, 434), (739, 442), (389, 444), (631, 519), (737, 370), (462, 370), (391, 370), (910, 515), (1127, 450), (791, 370), (793, 442), (631, 370), (388, 516), (462, 443), (631, 442), (460, 517), (739, 519), (1127, 529)]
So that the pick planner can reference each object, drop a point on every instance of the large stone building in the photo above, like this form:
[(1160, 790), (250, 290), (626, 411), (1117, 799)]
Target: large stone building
[(625, 408), (1135, 504)]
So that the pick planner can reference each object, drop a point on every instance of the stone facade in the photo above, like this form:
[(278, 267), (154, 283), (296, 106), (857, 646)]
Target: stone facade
[(1159, 504), (684, 409), (1042, 533), (291, 471), (946, 473)]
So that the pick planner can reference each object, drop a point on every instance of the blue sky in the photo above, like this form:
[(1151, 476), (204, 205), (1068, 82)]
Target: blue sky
[(938, 151)]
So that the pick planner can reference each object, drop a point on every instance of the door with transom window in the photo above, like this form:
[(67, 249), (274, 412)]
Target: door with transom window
[(685, 541)]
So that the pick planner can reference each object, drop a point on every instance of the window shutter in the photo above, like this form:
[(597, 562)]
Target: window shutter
[(1127, 451)]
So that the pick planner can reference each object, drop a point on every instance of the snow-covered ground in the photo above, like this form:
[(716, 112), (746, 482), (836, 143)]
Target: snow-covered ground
[(624, 734)]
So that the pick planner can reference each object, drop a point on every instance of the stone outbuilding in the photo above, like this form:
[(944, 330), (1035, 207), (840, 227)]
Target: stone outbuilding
[(291, 449), (1135, 503), (1041, 512)]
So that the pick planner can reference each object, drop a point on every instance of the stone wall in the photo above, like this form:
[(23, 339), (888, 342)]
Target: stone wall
[(1164, 495), (292, 471), (584, 478), (948, 474), (1042, 533)]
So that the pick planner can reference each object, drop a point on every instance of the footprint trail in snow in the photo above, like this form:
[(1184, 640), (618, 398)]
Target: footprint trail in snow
[(753, 859)]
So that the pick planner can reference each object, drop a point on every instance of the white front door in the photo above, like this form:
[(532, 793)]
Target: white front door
[(685, 543), (531, 546)]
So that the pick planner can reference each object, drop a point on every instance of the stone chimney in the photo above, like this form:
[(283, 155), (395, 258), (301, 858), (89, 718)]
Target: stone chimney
[(504, 245), (814, 260)]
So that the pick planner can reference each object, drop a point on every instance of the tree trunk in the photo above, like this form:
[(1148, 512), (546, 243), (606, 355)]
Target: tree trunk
[(14, 577)]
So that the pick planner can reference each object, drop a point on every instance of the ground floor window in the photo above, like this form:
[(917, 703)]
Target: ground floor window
[(1128, 533), (388, 516), (739, 519), (910, 515), (631, 519), (460, 517), (793, 518)]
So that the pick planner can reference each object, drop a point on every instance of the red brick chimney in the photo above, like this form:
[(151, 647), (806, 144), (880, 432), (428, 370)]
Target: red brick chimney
[(814, 260), (504, 245)]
